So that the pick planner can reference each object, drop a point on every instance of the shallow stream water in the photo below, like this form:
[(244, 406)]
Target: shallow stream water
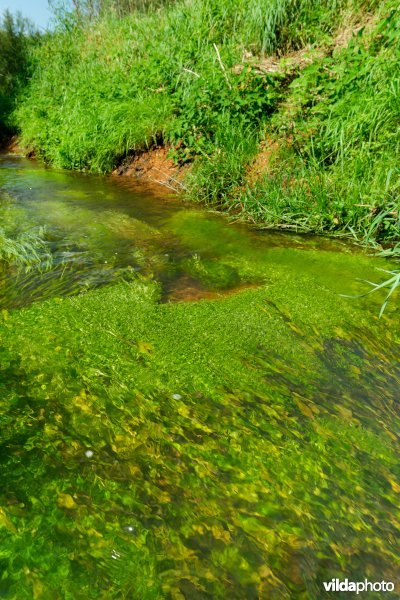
[(98, 230), (189, 408)]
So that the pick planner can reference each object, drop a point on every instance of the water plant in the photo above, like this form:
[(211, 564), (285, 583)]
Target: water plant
[(196, 448), (239, 447), (27, 251)]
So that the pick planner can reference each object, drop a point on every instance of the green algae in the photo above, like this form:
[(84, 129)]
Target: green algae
[(212, 273), (245, 447), (223, 460)]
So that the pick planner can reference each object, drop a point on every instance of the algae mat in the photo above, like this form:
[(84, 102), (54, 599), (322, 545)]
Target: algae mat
[(241, 446)]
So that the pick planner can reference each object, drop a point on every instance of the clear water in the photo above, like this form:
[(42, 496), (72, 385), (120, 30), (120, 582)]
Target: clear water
[(98, 230), (213, 421)]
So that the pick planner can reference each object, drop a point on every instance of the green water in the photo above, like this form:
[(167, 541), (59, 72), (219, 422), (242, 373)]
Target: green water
[(189, 408)]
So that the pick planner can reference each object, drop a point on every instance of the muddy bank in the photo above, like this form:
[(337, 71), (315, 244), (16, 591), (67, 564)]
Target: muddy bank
[(151, 166), (154, 166), (13, 145)]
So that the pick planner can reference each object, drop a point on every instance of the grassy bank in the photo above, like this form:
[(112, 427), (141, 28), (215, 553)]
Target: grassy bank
[(17, 42), (196, 75)]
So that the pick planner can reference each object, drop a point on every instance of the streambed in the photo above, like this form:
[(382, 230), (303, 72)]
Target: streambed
[(189, 408)]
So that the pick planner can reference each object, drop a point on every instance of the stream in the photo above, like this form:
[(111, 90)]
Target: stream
[(98, 230), (190, 408)]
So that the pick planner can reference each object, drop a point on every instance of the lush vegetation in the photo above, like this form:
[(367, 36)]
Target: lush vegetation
[(17, 39), (339, 141), (239, 448), (21, 246), (325, 111)]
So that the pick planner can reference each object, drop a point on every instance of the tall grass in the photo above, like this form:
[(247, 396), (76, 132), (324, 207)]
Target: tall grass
[(219, 175), (17, 38), (338, 137), (109, 88), (105, 89)]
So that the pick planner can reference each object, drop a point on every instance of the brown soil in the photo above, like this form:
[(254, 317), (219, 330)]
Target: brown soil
[(262, 162), (345, 34), (154, 166), (299, 59), (13, 146), (287, 64)]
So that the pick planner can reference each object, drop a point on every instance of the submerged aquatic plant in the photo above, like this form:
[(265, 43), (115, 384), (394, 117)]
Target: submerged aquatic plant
[(28, 250), (392, 283), (231, 449)]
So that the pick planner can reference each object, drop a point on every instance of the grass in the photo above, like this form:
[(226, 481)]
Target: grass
[(332, 124), (239, 448), (339, 171), (17, 40), (392, 283), (93, 101), (22, 247)]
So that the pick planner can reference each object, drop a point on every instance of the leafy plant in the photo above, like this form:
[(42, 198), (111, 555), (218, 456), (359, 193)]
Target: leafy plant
[(17, 37)]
